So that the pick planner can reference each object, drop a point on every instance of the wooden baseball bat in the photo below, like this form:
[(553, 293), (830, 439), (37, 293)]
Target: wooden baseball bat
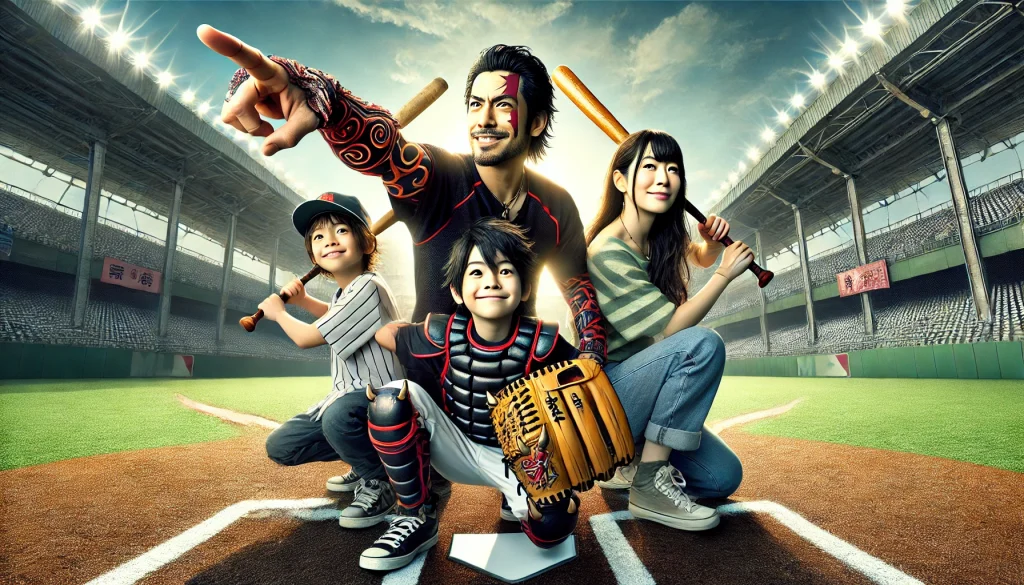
[(592, 107), (409, 112)]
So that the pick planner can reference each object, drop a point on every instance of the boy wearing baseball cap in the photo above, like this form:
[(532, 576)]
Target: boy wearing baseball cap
[(338, 239)]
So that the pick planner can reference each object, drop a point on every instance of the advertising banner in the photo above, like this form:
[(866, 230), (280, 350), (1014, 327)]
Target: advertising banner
[(863, 278), (130, 275)]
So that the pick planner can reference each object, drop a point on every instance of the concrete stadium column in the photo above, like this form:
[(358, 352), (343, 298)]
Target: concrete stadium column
[(812, 331), (90, 217), (170, 247), (229, 256), (760, 291), (965, 224), (860, 244), (273, 266)]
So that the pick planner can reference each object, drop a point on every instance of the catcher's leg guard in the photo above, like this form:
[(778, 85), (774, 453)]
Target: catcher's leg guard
[(403, 446), (555, 524)]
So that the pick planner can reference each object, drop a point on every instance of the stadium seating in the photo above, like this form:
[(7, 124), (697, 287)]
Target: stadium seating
[(933, 309), (37, 309), (53, 228)]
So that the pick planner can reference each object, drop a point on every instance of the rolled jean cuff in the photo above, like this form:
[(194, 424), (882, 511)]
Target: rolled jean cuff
[(674, 438)]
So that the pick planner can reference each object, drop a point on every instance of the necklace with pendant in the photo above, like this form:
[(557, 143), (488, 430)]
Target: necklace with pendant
[(638, 246), (508, 206)]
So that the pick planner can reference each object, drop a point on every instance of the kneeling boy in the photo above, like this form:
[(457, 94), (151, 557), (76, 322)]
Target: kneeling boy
[(439, 417)]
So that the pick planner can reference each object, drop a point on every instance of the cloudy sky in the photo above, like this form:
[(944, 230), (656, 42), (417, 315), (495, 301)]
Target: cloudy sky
[(713, 74)]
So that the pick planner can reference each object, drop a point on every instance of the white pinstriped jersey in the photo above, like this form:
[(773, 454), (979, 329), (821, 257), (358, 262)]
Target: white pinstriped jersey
[(348, 327)]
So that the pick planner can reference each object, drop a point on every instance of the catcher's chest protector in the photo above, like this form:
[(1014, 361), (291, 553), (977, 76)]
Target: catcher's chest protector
[(473, 369)]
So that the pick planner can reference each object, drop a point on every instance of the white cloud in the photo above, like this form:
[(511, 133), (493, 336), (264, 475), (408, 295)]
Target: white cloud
[(695, 36)]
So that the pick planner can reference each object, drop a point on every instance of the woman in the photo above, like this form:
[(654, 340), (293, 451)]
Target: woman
[(638, 249)]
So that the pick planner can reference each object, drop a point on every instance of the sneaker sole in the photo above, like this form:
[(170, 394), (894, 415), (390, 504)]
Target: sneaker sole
[(392, 563), (674, 522), (608, 485), (346, 522), (342, 487)]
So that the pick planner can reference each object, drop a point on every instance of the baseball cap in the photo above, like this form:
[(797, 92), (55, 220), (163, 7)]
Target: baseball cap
[(329, 202)]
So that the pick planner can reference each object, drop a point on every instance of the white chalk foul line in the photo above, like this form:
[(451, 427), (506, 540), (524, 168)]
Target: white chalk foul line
[(228, 415), (752, 416), (157, 557), (629, 570)]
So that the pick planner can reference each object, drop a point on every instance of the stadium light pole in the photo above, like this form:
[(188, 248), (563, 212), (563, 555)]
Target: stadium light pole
[(170, 247), (860, 244), (273, 265), (859, 237), (90, 217), (760, 291), (229, 256), (812, 329), (976, 275)]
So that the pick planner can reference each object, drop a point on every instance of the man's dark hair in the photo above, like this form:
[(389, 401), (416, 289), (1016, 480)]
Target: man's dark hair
[(492, 236), (536, 87)]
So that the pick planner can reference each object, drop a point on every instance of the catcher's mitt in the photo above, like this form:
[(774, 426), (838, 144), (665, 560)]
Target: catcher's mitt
[(561, 428)]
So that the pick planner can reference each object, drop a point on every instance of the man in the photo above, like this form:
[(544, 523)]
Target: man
[(436, 193)]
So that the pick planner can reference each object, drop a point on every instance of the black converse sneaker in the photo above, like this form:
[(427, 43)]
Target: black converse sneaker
[(406, 537), (373, 500), (343, 483)]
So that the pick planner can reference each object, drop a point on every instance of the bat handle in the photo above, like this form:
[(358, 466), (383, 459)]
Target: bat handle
[(763, 276), (249, 322)]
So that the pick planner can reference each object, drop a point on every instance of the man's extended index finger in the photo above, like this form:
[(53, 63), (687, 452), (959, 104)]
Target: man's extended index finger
[(242, 54)]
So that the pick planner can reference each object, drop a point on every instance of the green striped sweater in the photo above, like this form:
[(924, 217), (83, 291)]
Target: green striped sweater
[(634, 309)]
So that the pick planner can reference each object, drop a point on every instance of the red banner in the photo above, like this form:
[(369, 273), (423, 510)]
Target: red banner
[(863, 278), (130, 275)]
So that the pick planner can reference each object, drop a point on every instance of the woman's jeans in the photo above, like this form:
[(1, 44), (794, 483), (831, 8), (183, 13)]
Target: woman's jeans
[(667, 390)]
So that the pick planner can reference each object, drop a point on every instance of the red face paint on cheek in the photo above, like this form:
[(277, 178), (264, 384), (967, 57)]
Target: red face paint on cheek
[(512, 88)]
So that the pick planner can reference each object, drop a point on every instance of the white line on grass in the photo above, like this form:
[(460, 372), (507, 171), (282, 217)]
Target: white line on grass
[(629, 570), (228, 415), (752, 416)]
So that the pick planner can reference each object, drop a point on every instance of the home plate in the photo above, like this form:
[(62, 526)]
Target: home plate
[(510, 557)]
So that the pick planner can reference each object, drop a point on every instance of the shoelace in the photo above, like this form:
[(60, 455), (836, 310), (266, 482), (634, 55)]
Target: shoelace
[(671, 483), (399, 530), (350, 476), (366, 495)]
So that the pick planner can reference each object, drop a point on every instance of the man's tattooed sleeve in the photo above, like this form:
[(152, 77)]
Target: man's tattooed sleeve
[(582, 298), (361, 134)]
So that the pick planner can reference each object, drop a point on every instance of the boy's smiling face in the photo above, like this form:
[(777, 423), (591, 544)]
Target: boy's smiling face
[(335, 248), (490, 293)]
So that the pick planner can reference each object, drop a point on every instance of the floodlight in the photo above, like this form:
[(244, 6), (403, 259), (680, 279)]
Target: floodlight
[(91, 18)]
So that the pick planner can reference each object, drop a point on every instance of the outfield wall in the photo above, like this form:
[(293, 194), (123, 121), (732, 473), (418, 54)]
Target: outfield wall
[(989, 361), (22, 361)]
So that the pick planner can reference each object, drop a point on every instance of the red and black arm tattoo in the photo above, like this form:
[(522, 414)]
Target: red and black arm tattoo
[(586, 314), (363, 135)]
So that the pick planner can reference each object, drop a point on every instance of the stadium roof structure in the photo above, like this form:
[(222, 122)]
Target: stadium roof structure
[(963, 60), (61, 89)]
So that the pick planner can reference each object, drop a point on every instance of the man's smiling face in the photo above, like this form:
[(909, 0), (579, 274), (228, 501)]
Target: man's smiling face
[(496, 115)]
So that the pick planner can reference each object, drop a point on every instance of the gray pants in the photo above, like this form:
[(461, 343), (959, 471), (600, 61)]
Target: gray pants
[(340, 434)]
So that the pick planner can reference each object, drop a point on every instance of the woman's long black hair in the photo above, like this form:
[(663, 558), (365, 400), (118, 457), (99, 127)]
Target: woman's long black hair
[(668, 239)]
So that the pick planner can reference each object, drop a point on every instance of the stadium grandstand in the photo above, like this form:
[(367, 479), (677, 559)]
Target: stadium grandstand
[(120, 147), (940, 95), (929, 111)]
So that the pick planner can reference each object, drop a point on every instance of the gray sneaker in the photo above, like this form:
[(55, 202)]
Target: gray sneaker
[(664, 501), (343, 483), (373, 500), (622, 480)]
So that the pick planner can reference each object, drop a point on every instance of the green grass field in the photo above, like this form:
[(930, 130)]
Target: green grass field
[(980, 421)]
